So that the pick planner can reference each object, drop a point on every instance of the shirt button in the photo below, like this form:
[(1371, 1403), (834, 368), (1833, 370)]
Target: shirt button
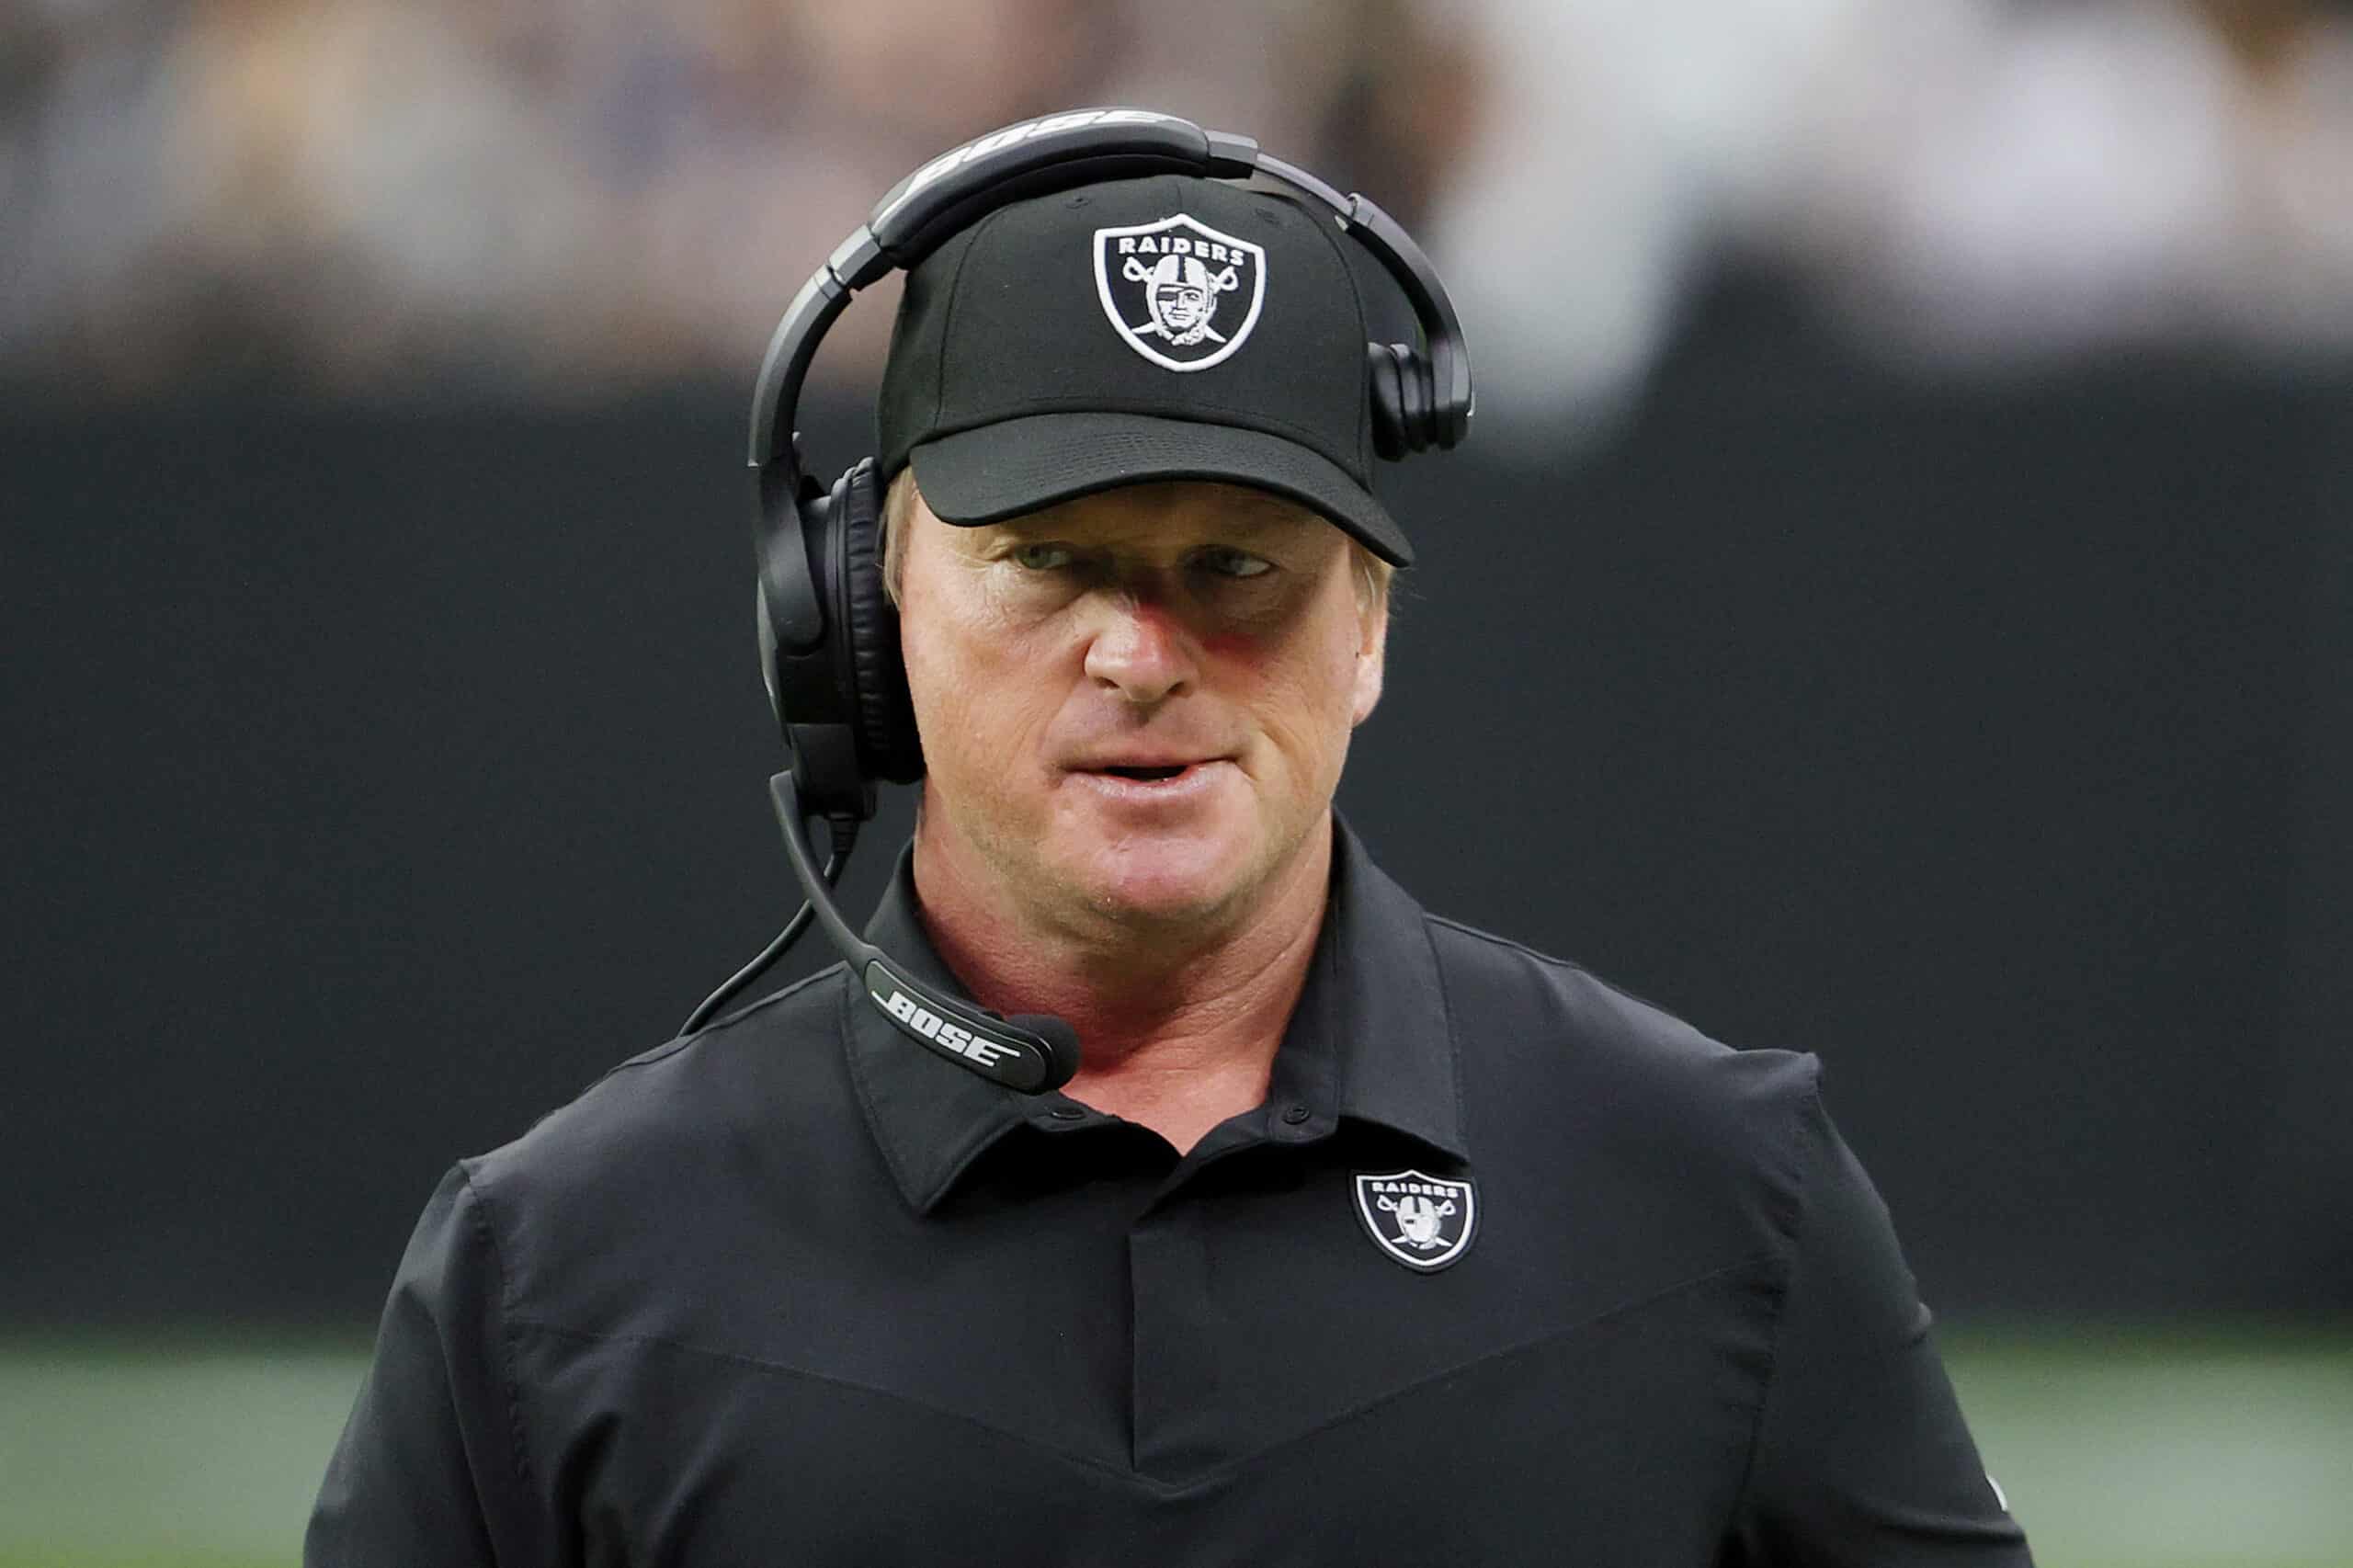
[(1295, 1114), (1066, 1113)]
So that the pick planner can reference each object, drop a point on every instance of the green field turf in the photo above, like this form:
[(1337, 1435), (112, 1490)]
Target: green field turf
[(2209, 1447)]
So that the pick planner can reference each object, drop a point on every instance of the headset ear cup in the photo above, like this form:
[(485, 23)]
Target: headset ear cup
[(888, 745), (1387, 398), (1416, 403), (769, 543), (789, 608), (1405, 411)]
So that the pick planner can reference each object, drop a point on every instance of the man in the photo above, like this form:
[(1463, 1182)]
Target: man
[(1358, 1236)]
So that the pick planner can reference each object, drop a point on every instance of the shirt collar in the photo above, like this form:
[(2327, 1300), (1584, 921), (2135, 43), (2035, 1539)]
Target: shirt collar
[(1370, 1039)]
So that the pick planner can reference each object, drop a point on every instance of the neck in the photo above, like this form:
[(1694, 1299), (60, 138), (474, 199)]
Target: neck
[(1180, 1028)]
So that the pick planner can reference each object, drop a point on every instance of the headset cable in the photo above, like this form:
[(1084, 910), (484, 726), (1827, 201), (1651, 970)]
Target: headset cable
[(844, 837)]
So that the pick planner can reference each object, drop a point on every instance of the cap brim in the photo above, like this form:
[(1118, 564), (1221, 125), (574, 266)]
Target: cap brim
[(1014, 466)]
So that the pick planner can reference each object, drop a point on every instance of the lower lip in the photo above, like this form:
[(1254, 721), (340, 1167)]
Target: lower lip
[(1197, 780)]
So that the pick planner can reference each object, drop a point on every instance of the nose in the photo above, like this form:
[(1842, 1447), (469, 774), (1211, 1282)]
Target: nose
[(1140, 650)]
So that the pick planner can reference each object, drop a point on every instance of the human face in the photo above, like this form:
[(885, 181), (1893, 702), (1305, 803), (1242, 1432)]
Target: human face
[(1181, 307), (1207, 632)]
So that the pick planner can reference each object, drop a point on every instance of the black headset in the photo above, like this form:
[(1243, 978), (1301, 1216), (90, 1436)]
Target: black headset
[(829, 634)]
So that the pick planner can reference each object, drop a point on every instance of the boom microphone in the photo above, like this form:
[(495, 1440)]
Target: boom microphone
[(1035, 1052)]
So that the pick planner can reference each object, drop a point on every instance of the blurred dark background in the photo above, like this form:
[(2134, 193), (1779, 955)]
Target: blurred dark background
[(384, 774), (1898, 603)]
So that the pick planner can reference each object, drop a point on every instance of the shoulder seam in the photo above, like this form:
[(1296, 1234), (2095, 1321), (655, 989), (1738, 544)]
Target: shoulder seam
[(670, 1046), (518, 1446), (1506, 942), (1808, 1121), (1553, 960), (771, 999), (1453, 1034)]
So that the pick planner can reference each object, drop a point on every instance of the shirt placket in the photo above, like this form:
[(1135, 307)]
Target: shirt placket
[(1177, 1402), (1183, 1413)]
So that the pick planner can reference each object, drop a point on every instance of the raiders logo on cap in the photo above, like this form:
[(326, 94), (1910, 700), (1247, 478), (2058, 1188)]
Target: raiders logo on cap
[(1182, 294), (1423, 1222)]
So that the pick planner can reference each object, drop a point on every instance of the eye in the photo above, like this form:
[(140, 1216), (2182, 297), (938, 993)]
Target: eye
[(1041, 557), (1228, 561)]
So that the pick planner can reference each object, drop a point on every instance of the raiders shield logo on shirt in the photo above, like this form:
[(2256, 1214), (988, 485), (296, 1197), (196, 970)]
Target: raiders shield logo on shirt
[(1182, 294), (1423, 1222)]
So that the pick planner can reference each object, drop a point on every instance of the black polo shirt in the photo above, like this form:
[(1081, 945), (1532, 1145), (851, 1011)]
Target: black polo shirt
[(1510, 1267)]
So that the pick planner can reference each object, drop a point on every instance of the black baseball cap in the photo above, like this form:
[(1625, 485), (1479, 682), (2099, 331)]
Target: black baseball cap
[(1160, 328)]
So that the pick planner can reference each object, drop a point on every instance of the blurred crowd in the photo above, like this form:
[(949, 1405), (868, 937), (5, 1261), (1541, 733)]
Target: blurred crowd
[(357, 194)]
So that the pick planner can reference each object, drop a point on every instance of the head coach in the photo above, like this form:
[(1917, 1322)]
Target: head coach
[(1155, 1181)]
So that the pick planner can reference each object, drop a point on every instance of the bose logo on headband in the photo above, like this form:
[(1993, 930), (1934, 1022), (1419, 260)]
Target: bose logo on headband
[(997, 141), (939, 1030)]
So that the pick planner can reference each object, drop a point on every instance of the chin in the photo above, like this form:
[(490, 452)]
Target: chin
[(1157, 879), (1163, 874)]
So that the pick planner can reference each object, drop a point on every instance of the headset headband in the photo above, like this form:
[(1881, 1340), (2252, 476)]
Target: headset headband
[(1037, 157)]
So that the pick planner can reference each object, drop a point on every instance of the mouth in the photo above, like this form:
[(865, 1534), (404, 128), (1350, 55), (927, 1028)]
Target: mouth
[(1149, 774), (1136, 783)]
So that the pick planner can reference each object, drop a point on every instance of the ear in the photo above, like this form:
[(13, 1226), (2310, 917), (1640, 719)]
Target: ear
[(1372, 648)]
